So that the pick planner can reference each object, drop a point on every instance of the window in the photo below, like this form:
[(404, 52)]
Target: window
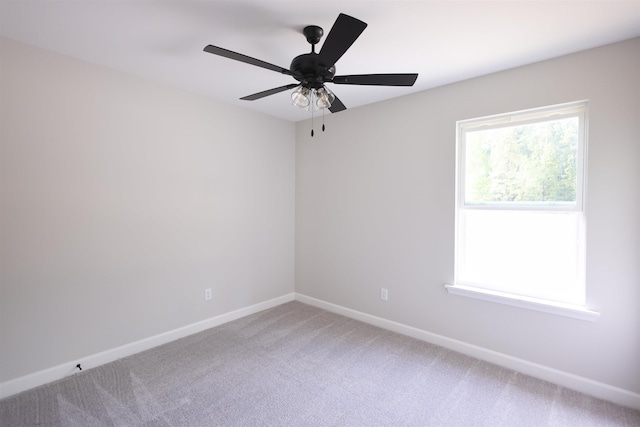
[(520, 218)]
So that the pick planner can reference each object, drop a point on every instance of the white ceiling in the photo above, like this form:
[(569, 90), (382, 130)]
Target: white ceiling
[(443, 41)]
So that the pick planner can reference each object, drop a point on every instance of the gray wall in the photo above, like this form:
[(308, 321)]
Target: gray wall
[(121, 201), (375, 208)]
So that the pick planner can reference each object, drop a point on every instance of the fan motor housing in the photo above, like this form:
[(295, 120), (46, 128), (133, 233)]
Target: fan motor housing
[(310, 72)]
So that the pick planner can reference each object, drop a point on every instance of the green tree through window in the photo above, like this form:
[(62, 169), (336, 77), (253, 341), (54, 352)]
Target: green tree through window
[(533, 162)]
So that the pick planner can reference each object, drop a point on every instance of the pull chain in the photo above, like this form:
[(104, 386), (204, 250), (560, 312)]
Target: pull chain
[(312, 102), (323, 119)]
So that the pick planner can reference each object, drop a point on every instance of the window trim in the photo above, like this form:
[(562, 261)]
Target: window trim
[(572, 109), (521, 301)]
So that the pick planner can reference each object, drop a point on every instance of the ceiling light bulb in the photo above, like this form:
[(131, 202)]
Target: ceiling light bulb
[(300, 97), (325, 98)]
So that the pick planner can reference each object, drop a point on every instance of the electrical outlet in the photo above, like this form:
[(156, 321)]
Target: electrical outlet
[(208, 294), (384, 294)]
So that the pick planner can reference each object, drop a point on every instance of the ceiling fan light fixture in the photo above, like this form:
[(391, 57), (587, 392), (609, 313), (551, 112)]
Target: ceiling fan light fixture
[(312, 70), (301, 97), (324, 98)]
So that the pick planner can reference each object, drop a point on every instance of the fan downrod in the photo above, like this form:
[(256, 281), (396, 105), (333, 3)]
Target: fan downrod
[(305, 68)]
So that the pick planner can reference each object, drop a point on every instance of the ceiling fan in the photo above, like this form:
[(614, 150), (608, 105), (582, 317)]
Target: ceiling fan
[(312, 70)]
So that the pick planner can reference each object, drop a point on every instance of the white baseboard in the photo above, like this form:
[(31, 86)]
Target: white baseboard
[(564, 379), (55, 373)]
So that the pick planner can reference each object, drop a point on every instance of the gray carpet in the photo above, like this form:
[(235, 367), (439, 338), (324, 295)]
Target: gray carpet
[(296, 365)]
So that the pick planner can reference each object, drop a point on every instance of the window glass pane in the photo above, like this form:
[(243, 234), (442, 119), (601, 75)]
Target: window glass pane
[(523, 164), (531, 253)]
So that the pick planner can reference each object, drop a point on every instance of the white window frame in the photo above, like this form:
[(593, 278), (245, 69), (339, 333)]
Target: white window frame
[(573, 109)]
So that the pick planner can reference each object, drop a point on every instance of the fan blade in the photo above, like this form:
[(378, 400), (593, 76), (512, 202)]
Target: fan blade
[(269, 92), (377, 79), (344, 32), (337, 105), (244, 58)]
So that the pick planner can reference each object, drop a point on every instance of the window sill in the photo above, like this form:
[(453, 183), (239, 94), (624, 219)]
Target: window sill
[(568, 310)]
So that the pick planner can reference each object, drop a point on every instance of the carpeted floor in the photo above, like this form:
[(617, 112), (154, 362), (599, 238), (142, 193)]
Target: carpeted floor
[(296, 365)]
